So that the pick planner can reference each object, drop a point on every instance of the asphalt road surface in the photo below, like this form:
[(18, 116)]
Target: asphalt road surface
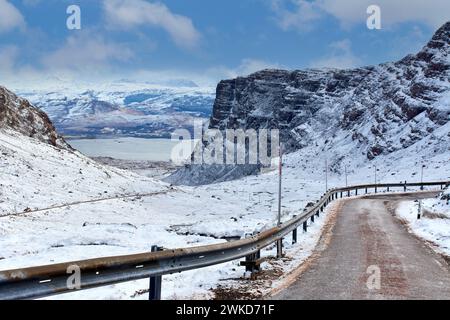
[(371, 255)]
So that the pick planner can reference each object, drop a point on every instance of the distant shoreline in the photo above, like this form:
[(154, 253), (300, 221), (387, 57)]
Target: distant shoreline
[(112, 137), (128, 148)]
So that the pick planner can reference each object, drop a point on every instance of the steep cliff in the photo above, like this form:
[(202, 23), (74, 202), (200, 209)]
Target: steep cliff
[(366, 112)]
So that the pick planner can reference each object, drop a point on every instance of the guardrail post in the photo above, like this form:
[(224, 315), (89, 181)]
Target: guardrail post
[(155, 282), (404, 187), (279, 248), (312, 218), (318, 213), (294, 236), (356, 192), (252, 263), (376, 190), (421, 187), (294, 233), (305, 226), (341, 194), (366, 190), (348, 193), (388, 189)]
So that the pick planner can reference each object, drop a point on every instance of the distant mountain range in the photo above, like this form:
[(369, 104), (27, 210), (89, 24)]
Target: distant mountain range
[(124, 108)]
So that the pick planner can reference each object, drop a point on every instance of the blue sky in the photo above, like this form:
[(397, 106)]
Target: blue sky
[(206, 40)]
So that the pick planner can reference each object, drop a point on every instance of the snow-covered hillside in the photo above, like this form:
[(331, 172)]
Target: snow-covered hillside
[(355, 116), (121, 108), (37, 175)]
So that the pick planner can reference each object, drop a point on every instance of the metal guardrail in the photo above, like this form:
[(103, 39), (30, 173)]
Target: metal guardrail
[(42, 281)]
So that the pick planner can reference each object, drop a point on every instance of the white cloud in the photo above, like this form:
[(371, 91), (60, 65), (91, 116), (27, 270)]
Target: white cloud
[(84, 51), (8, 56), (340, 57), (246, 67), (303, 14), (301, 18), (431, 12), (134, 13), (10, 17), (249, 66)]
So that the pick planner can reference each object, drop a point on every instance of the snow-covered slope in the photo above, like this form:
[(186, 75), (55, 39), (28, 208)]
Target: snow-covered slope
[(354, 116), (440, 205), (37, 175)]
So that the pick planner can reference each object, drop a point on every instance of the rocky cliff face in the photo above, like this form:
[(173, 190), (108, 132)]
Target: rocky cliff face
[(19, 115), (365, 112)]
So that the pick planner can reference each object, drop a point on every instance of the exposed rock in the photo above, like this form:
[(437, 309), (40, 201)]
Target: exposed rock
[(375, 109), (19, 115)]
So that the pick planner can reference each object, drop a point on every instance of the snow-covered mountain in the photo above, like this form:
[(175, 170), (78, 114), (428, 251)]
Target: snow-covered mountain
[(123, 107), (355, 116)]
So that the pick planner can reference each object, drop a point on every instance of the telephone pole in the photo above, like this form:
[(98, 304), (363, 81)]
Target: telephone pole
[(375, 174), (280, 176), (421, 177), (346, 176)]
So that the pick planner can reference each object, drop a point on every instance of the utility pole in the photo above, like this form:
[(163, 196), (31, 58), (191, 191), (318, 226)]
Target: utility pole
[(375, 175), (346, 177), (421, 176), (280, 176)]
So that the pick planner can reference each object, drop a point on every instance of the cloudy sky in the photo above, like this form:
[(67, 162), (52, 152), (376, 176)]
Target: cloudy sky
[(205, 40)]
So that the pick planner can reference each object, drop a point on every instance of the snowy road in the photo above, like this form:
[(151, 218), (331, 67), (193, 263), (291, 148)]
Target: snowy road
[(367, 238)]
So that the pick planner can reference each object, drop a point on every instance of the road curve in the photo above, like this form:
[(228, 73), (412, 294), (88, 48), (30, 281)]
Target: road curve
[(367, 238)]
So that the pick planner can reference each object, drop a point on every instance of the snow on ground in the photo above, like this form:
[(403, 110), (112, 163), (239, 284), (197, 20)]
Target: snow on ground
[(440, 204), (184, 217), (434, 225), (36, 176)]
